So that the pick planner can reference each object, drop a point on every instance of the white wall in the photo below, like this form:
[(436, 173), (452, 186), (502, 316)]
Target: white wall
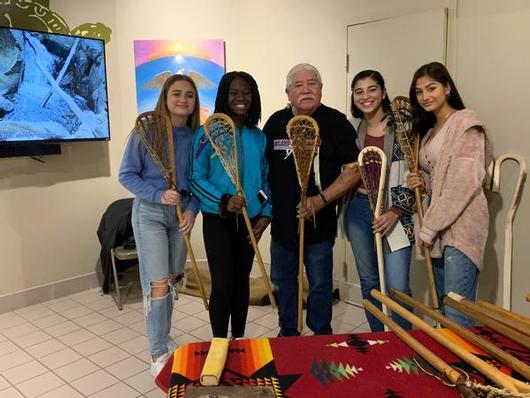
[(492, 67), (50, 212)]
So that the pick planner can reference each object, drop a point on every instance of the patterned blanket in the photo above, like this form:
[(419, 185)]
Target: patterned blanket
[(376, 365)]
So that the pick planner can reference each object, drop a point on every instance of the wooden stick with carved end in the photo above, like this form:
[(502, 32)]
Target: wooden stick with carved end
[(490, 348), (434, 360), (486, 369), (510, 216)]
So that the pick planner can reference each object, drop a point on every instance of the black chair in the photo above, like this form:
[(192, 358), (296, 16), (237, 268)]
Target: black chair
[(114, 230), (122, 254)]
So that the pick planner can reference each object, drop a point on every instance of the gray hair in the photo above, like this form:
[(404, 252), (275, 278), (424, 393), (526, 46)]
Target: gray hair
[(298, 68)]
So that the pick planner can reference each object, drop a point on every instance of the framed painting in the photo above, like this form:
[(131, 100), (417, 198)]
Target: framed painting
[(156, 60)]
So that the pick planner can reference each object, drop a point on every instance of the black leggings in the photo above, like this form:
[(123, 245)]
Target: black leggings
[(230, 256)]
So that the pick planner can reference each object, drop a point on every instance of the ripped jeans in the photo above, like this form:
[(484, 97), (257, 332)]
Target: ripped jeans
[(162, 255)]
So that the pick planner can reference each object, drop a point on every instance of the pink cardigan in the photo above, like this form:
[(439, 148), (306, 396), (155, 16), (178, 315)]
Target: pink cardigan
[(458, 210)]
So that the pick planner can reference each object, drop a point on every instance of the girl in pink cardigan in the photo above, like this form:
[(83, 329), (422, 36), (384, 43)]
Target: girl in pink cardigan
[(454, 154)]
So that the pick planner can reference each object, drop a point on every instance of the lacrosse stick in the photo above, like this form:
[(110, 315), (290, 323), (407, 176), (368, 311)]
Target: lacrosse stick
[(152, 128), (490, 348), (303, 132), (221, 132), (372, 166), (409, 144), (508, 230), (483, 367)]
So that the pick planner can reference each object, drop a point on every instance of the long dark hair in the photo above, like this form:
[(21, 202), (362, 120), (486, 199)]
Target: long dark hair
[(253, 115), (194, 120), (423, 120), (376, 77)]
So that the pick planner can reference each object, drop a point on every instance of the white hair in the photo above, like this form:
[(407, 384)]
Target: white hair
[(298, 68)]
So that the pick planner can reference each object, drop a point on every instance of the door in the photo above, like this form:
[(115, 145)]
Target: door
[(396, 47)]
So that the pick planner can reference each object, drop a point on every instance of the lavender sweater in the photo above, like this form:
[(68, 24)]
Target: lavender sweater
[(140, 175)]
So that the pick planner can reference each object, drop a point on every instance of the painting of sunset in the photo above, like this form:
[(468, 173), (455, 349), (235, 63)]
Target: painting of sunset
[(156, 60)]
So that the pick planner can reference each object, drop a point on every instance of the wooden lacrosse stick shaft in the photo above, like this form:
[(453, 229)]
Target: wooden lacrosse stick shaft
[(180, 216), (263, 271), (261, 265), (380, 264), (433, 359), (522, 322), (486, 369), (490, 348), (426, 250), (301, 242), (478, 315)]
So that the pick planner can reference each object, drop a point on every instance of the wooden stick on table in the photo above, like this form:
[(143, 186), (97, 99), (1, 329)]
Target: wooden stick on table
[(486, 369), (490, 348), (456, 378), (453, 300)]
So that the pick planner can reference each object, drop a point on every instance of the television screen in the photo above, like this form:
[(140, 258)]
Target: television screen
[(52, 87)]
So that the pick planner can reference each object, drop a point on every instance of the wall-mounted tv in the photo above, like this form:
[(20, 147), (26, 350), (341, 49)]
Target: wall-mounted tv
[(53, 88)]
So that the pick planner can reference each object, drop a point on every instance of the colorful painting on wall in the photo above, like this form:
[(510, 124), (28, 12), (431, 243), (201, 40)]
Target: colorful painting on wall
[(156, 60)]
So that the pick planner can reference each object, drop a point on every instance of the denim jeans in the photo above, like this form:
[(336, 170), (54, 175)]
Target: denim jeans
[(359, 220), (455, 272), (162, 255), (318, 260)]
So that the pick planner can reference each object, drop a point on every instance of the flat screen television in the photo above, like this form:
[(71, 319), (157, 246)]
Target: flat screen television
[(53, 88)]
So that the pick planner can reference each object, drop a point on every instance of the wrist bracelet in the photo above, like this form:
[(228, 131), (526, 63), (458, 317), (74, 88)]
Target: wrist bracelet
[(323, 198)]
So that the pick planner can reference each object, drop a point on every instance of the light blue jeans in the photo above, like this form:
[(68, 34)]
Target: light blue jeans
[(318, 261), (359, 220), (162, 255), (455, 272)]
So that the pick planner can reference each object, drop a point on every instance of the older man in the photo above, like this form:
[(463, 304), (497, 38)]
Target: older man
[(335, 174)]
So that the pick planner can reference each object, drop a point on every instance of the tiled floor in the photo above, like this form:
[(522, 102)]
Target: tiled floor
[(82, 346)]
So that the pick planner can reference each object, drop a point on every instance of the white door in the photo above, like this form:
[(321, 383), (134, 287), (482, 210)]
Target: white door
[(396, 47)]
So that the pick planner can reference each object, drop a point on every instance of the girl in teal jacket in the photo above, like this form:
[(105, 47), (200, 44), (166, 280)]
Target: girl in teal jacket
[(228, 246)]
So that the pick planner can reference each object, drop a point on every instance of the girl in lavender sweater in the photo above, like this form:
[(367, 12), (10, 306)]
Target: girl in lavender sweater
[(158, 234), (454, 154)]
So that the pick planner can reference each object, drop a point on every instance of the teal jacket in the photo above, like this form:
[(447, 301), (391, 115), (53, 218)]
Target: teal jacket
[(209, 180)]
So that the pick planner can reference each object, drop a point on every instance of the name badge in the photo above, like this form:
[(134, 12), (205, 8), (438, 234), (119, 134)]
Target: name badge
[(282, 145)]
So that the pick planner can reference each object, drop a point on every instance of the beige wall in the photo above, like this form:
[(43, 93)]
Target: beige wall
[(50, 212)]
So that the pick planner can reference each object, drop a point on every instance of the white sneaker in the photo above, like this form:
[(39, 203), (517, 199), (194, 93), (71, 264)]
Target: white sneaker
[(156, 366)]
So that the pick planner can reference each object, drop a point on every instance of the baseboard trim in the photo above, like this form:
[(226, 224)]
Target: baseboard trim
[(39, 294), (349, 292)]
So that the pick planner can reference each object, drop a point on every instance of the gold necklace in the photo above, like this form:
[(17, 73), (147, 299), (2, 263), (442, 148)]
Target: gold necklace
[(438, 125)]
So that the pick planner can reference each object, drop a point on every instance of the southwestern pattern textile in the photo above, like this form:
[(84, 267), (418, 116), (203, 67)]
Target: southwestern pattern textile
[(376, 365)]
